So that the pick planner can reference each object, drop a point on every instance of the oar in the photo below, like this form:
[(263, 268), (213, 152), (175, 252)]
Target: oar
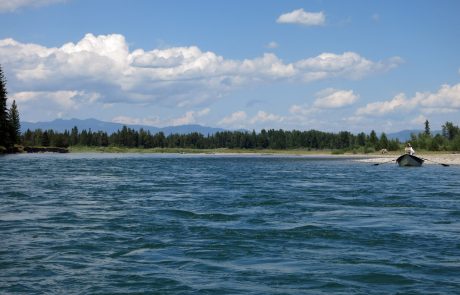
[(445, 165), (376, 164)]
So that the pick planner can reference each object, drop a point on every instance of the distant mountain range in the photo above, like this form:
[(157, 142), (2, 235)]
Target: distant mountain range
[(109, 127), (405, 135)]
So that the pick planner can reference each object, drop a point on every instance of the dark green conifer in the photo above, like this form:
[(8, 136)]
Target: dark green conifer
[(14, 124), (45, 139), (427, 128), (4, 126)]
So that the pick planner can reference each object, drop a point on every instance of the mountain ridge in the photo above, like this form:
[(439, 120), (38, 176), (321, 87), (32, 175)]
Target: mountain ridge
[(95, 125)]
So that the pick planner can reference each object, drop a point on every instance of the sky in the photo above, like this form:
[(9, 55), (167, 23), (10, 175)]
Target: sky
[(328, 65)]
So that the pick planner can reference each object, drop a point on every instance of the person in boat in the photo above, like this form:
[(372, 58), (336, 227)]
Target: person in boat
[(409, 150)]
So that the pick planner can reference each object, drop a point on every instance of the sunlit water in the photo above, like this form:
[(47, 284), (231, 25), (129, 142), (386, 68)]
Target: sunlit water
[(178, 224)]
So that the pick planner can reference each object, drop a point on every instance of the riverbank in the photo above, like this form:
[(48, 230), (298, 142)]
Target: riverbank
[(220, 151), (376, 157), (434, 158)]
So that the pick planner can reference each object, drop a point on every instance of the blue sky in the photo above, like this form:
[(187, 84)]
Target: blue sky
[(327, 65)]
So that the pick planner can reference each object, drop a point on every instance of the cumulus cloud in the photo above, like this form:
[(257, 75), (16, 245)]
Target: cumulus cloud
[(302, 17), (64, 99), (263, 117), (236, 118), (419, 120), (12, 5), (332, 98), (383, 107), (240, 119), (190, 117), (49, 104), (447, 97), (303, 110), (178, 76), (348, 64)]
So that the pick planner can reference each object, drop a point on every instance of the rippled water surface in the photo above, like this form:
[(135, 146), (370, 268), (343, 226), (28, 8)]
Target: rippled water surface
[(177, 224)]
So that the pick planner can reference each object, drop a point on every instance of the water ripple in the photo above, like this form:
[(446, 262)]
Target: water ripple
[(178, 224)]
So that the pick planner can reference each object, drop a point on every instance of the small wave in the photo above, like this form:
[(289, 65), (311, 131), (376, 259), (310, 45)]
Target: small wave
[(200, 216), (380, 278), (138, 250)]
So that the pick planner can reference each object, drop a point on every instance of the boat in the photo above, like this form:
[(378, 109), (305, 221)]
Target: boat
[(407, 160)]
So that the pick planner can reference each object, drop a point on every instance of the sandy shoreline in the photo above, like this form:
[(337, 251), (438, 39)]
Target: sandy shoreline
[(435, 159), (450, 159)]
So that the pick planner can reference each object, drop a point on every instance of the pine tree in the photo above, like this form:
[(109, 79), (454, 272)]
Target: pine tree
[(4, 126), (45, 139), (74, 140), (14, 124), (427, 128), (373, 139), (383, 143)]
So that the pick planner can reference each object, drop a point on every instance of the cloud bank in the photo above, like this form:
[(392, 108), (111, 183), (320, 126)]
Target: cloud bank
[(177, 76)]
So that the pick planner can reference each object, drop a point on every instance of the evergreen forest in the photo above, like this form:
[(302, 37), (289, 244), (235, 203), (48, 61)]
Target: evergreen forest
[(265, 139)]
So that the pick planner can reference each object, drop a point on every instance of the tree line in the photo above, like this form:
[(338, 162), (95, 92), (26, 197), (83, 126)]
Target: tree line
[(265, 139), (10, 127), (447, 140)]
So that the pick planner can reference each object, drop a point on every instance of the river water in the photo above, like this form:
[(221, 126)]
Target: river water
[(210, 224)]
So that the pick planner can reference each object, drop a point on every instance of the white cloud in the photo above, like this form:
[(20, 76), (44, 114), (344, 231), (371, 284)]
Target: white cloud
[(265, 117), (49, 104), (446, 97), (12, 5), (64, 99), (272, 45), (304, 110), (302, 17), (332, 98), (190, 117), (348, 64), (419, 120), (430, 111), (179, 76), (236, 118), (380, 108), (203, 112)]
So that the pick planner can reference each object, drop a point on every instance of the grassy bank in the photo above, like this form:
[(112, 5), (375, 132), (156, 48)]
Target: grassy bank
[(113, 149)]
